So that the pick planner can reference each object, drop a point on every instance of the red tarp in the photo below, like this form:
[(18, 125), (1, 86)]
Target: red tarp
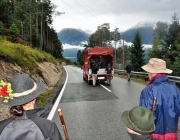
[(99, 51)]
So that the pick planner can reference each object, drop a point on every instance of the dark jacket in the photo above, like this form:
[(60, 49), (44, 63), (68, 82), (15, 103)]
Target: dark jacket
[(109, 69), (94, 69), (167, 107), (128, 68), (29, 127), (141, 137)]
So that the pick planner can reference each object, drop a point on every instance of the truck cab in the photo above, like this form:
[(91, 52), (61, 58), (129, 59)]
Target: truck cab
[(102, 56)]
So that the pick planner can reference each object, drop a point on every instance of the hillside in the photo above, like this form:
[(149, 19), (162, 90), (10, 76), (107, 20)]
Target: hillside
[(24, 59), (42, 67), (73, 36)]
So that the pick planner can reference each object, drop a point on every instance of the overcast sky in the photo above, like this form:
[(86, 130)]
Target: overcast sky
[(122, 14)]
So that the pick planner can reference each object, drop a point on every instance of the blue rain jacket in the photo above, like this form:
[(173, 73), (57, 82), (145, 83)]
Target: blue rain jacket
[(167, 108)]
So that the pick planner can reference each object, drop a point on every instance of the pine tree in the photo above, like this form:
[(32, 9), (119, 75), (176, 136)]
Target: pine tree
[(137, 53), (80, 56), (173, 39), (2, 29), (101, 37)]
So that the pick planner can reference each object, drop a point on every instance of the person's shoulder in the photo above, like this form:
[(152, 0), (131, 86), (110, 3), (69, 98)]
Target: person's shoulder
[(41, 120), (147, 90), (4, 123), (44, 119)]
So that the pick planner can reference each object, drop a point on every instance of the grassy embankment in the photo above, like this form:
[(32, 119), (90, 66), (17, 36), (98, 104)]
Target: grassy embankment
[(133, 78), (26, 57)]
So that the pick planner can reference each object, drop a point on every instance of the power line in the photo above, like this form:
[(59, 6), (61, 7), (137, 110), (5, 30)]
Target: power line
[(74, 9), (87, 9)]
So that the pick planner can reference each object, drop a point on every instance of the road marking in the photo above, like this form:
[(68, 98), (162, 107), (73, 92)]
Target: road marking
[(54, 108), (106, 88)]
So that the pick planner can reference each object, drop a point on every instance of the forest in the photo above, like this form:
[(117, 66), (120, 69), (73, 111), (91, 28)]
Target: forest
[(29, 22)]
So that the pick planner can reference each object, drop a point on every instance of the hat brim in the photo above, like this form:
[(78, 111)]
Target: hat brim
[(27, 98), (151, 70), (124, 118), (129, 124)]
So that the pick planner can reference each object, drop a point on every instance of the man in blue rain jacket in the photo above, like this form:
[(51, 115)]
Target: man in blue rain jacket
[(163, 98)]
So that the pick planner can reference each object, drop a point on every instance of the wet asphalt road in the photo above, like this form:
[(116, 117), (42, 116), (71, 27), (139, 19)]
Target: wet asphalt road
[(93, 113)]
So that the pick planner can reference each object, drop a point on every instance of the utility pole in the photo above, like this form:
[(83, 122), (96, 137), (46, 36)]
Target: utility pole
[(123, 52), (116, 35), (115, 55)]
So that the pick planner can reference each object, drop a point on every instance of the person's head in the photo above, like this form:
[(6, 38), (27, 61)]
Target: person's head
[(155, 66), (139, 120), (24, 92)]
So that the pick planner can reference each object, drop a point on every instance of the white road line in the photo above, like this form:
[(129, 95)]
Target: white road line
[(54, 108), (106, 88)]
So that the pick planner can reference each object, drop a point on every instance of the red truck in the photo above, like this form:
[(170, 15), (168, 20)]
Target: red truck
[(93, 54)]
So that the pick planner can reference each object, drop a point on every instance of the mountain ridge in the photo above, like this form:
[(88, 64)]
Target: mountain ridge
[(74, 36), (77, 37)]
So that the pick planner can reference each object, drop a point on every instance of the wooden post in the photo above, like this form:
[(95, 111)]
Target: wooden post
[(63, 124)]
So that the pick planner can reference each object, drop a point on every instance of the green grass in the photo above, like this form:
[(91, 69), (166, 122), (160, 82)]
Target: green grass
[(44, 98), (133, 78), (24, 56)]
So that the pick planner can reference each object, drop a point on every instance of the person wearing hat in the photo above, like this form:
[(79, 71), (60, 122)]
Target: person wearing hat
[(25, 122), (163, 98), (139, 122)]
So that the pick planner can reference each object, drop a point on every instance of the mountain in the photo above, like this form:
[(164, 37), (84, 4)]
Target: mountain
[(145, 29), (76, 37), (73, 36)]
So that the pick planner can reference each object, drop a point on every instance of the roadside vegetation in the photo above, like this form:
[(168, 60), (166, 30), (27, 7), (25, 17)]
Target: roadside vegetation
[(45, 98), (24, 56), (30, 23), (27, 57), (137, 79)]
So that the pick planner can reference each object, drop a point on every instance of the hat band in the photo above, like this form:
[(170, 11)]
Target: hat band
[(27, 92)]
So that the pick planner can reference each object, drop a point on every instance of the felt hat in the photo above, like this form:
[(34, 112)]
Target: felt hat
[(139, 119), (24, 90), (156, 65)]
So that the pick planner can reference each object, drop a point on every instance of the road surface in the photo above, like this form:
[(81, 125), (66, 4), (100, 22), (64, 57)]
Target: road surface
[(93, 113)]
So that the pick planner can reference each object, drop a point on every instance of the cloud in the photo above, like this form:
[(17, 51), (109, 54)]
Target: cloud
[(89, 14), (68, 46)]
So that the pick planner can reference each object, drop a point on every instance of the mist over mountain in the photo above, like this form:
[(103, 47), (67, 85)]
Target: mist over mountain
[(73, 36), (78, 37)]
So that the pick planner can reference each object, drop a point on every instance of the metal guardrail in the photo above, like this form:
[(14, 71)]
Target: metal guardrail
[(174, 79)]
